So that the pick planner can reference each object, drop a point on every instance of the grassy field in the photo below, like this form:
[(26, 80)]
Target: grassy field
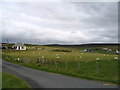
[(68, 61), (11, 81)]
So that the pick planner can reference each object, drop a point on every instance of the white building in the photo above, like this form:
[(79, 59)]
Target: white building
[(19, 46)]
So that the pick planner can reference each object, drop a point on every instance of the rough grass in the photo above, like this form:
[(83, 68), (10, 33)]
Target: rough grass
[(73, 63), (11, 81)]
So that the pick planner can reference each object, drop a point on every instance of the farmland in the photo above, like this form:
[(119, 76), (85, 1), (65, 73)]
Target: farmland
[(68, 61)]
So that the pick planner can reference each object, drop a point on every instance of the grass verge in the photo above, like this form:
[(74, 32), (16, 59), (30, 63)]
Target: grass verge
[(11, 81)]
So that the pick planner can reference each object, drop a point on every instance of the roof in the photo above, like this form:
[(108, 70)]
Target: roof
[(4, 44), (19, 44)]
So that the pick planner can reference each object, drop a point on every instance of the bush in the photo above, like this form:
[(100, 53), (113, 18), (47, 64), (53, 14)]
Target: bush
[(57, 50)]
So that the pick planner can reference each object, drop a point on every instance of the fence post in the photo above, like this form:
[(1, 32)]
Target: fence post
[(43, 61), (30, 61), (97, 66), (78, 66), (56, 64), (66, 65)]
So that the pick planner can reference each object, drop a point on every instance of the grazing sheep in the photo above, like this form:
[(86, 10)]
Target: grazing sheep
[(97, 58), (116, 58)]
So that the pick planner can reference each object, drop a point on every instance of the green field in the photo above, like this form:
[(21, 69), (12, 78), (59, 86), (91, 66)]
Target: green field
[(67, 61), (11, 81)]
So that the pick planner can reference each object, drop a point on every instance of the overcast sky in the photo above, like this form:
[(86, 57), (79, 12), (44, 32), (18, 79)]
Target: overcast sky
[(59, 23)]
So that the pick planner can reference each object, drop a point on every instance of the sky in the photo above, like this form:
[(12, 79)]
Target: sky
[(59, 22)]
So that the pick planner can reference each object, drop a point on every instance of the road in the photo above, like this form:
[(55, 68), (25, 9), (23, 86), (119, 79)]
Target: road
[(42, 79)]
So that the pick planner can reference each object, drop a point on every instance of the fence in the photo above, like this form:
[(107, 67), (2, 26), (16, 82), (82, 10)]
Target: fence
[(76, 66)]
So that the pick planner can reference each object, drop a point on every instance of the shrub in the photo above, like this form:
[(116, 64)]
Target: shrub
[(57, 50)]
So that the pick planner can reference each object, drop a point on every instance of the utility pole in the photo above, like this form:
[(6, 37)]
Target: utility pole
[(7, 41)]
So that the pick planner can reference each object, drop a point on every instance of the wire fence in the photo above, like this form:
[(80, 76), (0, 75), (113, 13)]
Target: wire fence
[(96, 67)]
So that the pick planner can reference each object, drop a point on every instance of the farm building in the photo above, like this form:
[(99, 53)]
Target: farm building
[(19, 46), (4, 46)]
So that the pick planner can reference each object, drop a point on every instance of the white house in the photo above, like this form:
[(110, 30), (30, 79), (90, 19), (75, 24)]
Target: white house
[(19, 46)]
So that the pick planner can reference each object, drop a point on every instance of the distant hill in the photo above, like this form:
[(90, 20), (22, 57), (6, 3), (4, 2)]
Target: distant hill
[(81, 45), (113, 46), (91, 45)]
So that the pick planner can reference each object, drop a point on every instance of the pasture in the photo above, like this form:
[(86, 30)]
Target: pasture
[(68, 61)]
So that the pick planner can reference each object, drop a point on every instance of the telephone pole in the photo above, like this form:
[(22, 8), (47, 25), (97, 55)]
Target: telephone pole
[(7, 41)]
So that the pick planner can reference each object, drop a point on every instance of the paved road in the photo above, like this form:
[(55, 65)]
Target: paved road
[(42, 79)]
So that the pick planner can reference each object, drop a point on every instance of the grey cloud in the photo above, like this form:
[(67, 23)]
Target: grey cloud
[(59, 22)]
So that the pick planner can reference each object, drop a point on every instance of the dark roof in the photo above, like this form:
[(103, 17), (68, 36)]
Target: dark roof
[(4, 44), (19, 44)]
